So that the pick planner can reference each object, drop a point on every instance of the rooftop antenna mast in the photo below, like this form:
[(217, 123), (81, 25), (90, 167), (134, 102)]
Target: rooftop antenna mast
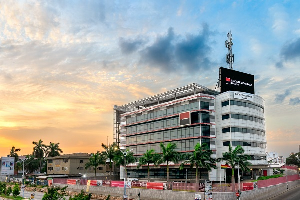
[(229, 55)]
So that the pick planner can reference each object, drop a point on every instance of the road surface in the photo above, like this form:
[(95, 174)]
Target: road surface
[(293, 194)]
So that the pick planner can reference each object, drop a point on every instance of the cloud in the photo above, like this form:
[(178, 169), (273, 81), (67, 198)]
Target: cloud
[(291, 50), (194, 50), (161, 52), (295, 101), (171, 52), (129, 46), (279, 98)]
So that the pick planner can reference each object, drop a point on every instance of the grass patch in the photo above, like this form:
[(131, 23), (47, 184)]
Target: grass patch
[(11, 197)]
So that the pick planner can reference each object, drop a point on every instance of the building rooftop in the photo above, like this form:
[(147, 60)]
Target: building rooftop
[(180, 92)]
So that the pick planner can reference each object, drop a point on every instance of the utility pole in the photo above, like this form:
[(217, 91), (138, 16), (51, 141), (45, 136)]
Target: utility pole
[(229, 55)]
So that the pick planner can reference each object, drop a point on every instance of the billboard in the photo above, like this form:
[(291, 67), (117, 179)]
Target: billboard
[(7, 165), (231, 80)]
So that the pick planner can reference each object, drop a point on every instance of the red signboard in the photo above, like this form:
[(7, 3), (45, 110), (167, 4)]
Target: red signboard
[(155, 186), (106, 183), (248, 186), (117, 184), (71, 181), (138, 184), (237, 194)]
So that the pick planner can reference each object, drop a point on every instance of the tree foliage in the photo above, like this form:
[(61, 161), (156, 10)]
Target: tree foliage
[(149, 157), (95, 160), (31, 164), (13, 153), (55, 193), (236, 158), (110, 152), (81, 196), (39, 151), (200, 158), (293, 159), (169, 155), (53, 150)]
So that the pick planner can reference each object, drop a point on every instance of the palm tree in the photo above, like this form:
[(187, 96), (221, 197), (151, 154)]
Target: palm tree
[(201, 158), (31, 164), (53, 150), (95, 160), (110, 153), (149, 157), (169, 155), (236, 158), (39, 151), (13, 153), (124, 158)]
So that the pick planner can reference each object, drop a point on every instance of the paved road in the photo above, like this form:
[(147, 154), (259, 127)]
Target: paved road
[(293, 194)]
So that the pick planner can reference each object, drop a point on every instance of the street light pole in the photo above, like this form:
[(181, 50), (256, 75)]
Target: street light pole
[(23, 181), (125, 175)]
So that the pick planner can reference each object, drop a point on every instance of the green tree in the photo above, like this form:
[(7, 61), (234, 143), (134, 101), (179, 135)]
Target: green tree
[(110, 152), (124, 158), (81, 196), (236, 158), (16, 190), (55, 193), (31, 164), (13, 153), (95, 160), (293, 159), (39, 151), (169, 155), (53, 150), (200, 158), (148, 158)]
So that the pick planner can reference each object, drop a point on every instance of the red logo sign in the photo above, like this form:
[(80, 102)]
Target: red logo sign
[(227, 79)]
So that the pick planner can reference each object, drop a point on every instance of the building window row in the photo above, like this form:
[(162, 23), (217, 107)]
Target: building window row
[(186, 132), (175, 109), (244, 117), (167, 123), (182, 145), (245, 144), (244, 104), (243, 130)]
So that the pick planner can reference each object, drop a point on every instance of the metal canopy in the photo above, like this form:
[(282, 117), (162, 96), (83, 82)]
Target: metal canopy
[(190, 89)]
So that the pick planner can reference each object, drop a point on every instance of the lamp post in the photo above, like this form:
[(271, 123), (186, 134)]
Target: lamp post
[(125, 175), (23, 180)]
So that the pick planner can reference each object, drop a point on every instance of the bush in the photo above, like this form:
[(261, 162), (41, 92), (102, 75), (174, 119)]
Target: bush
[(55, 193), (2, 187), (16, 190), (268, 177), (81, 196), (8, 191)]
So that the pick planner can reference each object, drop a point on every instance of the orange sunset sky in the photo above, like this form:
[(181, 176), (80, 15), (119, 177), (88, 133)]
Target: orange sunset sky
[(65, 64)]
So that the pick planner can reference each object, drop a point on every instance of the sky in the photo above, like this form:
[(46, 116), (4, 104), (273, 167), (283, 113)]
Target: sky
[(65, 64)]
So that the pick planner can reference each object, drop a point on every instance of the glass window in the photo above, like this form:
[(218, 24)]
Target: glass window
[(196, 131), (174, 134), (225, 130), (226, 143), (225, 116), (225, 103), (204, 105)]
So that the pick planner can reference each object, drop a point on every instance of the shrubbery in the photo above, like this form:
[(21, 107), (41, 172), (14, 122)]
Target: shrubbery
[(268, 177), (81, 196), (55, 193), (8, 191), (16, 190)]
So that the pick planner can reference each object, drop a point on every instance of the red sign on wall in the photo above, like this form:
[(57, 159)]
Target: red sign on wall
[(117, 183), (156, 186), (71, 181)]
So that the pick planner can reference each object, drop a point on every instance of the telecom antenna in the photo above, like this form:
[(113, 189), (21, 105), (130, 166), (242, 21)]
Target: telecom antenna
[(229, 55)]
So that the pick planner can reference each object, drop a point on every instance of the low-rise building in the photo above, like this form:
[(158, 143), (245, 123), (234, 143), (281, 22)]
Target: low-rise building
[(73, 165)]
